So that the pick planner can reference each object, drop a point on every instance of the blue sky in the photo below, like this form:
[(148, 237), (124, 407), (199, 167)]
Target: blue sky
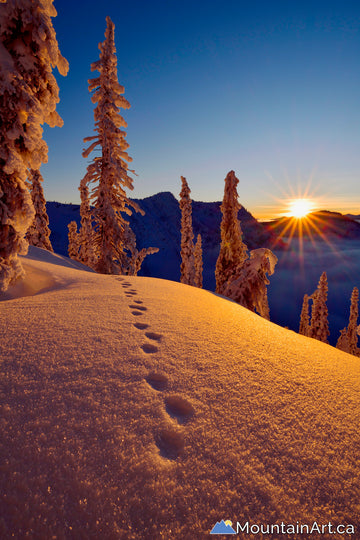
[(268, 89)]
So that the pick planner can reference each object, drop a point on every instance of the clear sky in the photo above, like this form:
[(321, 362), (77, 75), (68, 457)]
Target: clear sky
[(269, 89)]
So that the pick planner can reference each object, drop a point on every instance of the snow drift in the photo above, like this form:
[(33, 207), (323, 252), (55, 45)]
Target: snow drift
[(144, 408)]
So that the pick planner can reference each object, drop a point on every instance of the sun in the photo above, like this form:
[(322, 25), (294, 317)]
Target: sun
[(299, 208)]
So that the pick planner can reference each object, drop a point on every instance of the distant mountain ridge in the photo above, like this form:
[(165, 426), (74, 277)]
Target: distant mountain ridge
[(320, 224), (355, 217), (160, 227)]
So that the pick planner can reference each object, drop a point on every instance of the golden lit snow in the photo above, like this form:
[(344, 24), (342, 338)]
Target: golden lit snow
[(135, 407)]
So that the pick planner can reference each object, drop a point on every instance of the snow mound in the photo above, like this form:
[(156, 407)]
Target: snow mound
[(42, 255), (36, 281), (135, 407), (40, 277)]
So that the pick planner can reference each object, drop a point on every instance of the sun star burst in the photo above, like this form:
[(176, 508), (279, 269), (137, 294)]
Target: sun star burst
[(299, 208)]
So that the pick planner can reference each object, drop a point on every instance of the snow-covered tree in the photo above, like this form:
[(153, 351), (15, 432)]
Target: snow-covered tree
[(74, 243), (86, 241), (249, 288), (304, 328), (187, 267), (28, 97), (348, 339), (319, 328), (343, 342), (38, 233), (232, 250), (136, 257), (238, 277), (312, 298), (352, 329), (109, 171), (198, 263)]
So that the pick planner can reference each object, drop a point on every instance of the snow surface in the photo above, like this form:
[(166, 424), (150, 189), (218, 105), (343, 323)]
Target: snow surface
[(136, 407)]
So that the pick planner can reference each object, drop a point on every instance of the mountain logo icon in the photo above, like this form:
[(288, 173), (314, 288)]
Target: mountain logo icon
[(223, 527)]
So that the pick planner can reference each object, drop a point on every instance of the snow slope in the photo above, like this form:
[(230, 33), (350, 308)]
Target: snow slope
[(144, 408)]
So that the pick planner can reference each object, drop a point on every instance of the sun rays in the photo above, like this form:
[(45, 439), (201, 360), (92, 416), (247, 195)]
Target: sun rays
[(301, 223), (299, 233)]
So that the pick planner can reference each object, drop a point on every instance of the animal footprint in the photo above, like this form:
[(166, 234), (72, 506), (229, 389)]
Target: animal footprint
[(136, 313), (179, 408), (141, 326), (149, 348), (119, 279), (138, 301), (158, 381), (170, 443), (125, 285), (140, 308), (153, 335)]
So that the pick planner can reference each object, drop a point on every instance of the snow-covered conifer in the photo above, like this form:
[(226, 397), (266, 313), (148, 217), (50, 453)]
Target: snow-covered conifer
[(187, 268), (348, 339), (238, 277), (343, 342), (28, 97), (198, 262), (249, 288), (74, 243), (304, 328), (232, 250), (312, 297), (136, 257), (85, 238), (352, 329), (38, 233), (319, 328), (109, 171)]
